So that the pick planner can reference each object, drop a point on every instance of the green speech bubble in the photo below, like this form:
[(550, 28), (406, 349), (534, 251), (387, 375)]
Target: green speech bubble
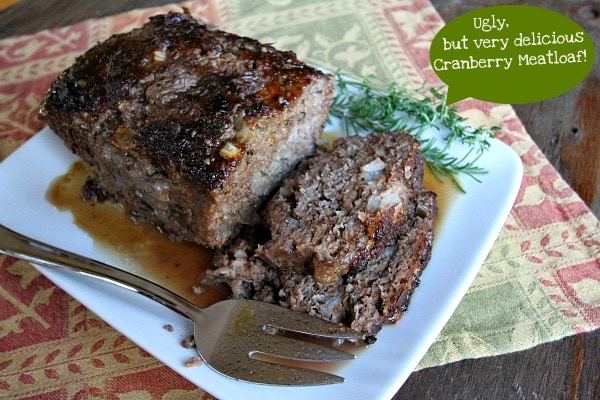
[(511, 54)]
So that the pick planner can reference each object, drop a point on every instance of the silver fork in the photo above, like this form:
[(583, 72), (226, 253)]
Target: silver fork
[(231, 336)]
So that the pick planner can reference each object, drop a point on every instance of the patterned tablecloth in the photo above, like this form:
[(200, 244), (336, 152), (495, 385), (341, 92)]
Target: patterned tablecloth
[(540, 282)]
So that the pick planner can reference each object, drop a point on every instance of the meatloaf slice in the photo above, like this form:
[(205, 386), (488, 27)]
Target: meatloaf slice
[(189, 127), (347, 236)]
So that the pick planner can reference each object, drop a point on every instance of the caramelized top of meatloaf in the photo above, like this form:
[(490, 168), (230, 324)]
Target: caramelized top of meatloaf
[(183, 94)]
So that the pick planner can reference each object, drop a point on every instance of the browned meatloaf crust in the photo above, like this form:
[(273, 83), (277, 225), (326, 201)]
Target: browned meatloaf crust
[(188, 127), (346, 237)]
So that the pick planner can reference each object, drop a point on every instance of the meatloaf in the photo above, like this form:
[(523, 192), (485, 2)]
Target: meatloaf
[(189, 127), (345, 238)]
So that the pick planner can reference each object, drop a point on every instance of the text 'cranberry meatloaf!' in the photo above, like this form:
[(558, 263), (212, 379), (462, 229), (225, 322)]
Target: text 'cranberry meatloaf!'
[(345, 238), (188, 127)]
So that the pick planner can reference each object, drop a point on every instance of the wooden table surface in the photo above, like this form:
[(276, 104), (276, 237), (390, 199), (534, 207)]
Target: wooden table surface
[(566, 128)]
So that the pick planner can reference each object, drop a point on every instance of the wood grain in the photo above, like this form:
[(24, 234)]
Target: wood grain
[(563, 370), (566, 128)]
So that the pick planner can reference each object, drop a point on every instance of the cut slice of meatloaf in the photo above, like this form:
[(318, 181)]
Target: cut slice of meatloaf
[(189, 127), (347, 236)]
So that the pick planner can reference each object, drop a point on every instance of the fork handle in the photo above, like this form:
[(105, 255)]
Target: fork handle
[(31, 250)]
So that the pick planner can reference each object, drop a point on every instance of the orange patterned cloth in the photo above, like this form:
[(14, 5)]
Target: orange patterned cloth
[(545, 264)]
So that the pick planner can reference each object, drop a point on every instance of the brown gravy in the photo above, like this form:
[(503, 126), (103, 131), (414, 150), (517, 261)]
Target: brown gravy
[(446, 192), (137, 248)]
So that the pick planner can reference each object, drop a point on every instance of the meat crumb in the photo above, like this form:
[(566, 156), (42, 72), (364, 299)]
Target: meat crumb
[(271, 330), (195, 361), (168, 327), (188, 342)]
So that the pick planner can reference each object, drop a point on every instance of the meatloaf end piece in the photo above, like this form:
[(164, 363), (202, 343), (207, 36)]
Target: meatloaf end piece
[(189, 127), (348, 235)]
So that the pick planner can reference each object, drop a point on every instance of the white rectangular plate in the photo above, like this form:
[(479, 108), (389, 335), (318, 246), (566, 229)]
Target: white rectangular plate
[(471, 225)]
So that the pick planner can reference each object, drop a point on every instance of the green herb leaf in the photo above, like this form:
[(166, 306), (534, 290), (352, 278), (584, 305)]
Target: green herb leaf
[(364, 108)]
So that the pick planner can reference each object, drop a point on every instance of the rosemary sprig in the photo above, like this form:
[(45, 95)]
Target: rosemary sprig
[(364, 108)]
